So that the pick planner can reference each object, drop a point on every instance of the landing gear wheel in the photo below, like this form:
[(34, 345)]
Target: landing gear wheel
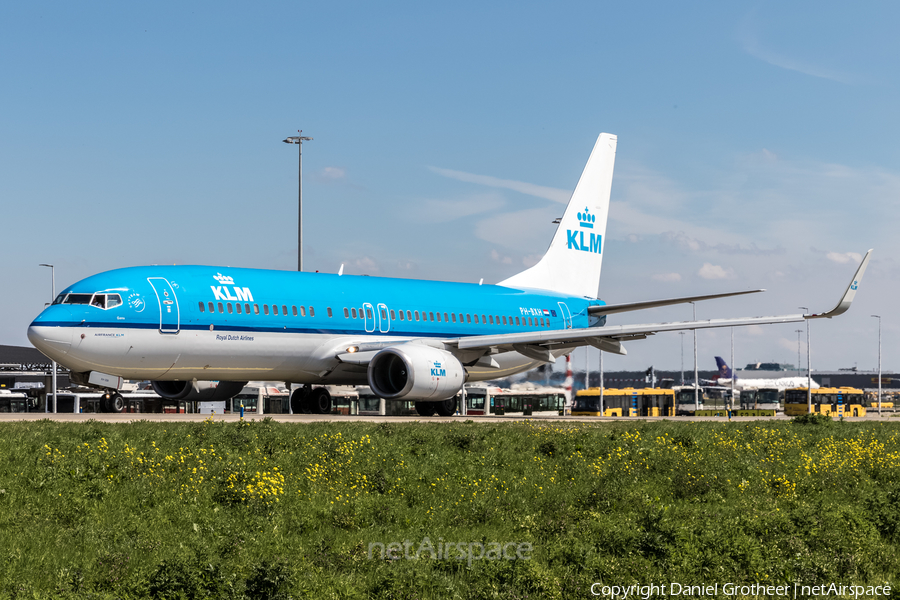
[(426, 409), (115, 403), (104, 404), (320, 401), (299, 401), (447, 408)]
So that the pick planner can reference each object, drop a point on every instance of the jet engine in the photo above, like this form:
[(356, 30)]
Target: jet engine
[(204, 391), (414, 372)]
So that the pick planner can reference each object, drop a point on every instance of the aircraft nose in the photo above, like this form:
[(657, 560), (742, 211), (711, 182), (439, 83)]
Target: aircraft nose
[(51, 332)]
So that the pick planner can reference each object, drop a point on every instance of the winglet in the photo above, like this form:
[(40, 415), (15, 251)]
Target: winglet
[(848, 296)]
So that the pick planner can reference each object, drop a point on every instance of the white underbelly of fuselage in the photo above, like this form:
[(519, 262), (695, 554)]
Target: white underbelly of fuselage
[(230, 356)]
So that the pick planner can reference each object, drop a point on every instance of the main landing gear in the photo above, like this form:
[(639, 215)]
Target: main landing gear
[(445, 408), (307, 400)]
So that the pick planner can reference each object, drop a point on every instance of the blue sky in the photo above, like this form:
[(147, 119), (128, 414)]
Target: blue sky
[(757, 148)]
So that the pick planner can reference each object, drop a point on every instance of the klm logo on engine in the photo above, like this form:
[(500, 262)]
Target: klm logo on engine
[(577, 240), (222, 292), (437, 371)]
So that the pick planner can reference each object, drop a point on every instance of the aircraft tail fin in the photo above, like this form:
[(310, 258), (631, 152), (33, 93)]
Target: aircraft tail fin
[(572, 263), (725, 371)]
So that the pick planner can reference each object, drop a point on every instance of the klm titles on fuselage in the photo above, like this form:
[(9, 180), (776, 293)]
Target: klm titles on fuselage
[(221, 292), (575, 240)]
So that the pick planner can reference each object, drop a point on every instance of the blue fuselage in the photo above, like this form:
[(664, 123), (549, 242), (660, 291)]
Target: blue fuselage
[(184, 322)]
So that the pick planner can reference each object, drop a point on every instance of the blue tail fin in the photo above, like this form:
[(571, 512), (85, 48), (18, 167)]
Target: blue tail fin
[(724, 369)]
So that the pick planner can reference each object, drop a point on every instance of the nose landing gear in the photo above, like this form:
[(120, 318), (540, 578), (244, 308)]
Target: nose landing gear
[(112, 402)]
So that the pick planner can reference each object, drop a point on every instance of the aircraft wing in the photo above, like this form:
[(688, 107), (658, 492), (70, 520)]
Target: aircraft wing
[(538, 344), (608, 309)]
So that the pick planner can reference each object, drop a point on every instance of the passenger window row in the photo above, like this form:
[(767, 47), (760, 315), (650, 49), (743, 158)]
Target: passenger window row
[(414, 315), (245, 309), (366, 313)]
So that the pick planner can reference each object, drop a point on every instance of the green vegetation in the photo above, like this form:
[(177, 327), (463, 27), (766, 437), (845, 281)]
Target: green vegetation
[(272, 510)]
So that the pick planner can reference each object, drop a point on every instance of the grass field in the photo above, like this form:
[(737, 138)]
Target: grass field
[(278, 510)]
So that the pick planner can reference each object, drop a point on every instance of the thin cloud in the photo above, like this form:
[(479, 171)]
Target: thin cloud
[(684, 241), (842, 258), (366, 265), (754, 48), (667, 277), (520, 230), (711, 271), (334, 173), (330, 175), (441, 211), (788, 344), (540, 191), (500, 258)]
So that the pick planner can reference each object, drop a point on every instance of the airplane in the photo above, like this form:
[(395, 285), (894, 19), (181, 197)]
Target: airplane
[(780, 383), (201, 332)]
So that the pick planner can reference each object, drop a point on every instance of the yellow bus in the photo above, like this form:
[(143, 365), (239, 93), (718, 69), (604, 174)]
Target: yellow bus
[(625, 402), (838, 402)]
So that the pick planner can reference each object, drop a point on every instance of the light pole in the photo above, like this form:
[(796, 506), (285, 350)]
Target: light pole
[(681, 333), (733, 367), (879, 363), (299, 139), (587, 369), (601, 382), (808, 367), (52, 362), (798, 332), (696, 375)]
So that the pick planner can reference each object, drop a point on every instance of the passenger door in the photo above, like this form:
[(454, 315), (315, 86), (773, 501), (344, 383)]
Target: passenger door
[(169, 317), (369, 317), (384, 318), (566, 315)]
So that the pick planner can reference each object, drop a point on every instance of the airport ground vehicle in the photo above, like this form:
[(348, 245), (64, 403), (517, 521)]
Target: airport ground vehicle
[(272, 399), (103, 402), (504, 401), (625, 402), (11, 401), (687, 400), (839, 402), (760, 399)]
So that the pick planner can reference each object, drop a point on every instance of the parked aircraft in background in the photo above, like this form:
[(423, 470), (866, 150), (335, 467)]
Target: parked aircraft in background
[(780, 383), (202, 332)]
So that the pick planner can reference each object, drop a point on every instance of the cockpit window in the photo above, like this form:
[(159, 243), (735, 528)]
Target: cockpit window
[(59, 299), (103, 301), (78, 299)]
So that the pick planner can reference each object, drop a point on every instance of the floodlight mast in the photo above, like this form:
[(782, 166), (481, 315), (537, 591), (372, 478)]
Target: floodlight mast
[(808, 366), (52, 362), (879, 362), (299, 139)]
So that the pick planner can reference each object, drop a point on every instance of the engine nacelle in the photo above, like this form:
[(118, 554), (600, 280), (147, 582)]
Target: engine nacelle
[(414, 372), (203, 391)]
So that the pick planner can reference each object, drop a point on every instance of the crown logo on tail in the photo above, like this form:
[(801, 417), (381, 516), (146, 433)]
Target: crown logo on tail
[(586, 219)]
